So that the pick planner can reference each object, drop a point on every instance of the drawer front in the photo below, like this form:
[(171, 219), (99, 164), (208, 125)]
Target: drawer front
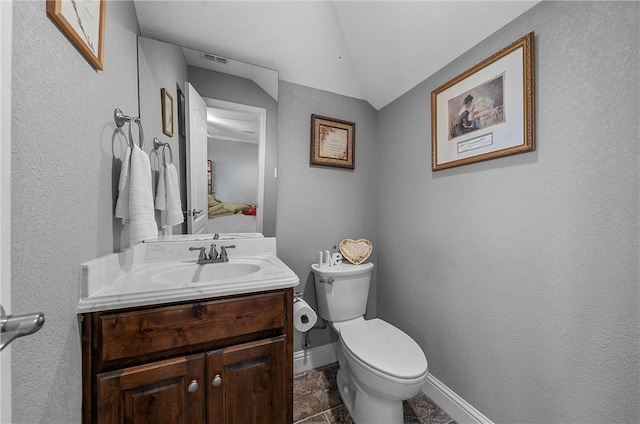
[(131, 334)]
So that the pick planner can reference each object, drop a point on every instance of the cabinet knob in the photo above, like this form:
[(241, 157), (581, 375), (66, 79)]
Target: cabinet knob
[(216, 380), (193, 386)]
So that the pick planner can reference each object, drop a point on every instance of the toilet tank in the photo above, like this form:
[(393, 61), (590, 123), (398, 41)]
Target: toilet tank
[(342, 290)]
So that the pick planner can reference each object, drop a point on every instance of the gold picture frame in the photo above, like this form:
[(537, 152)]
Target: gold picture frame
[(82, 21), (167, 113), (332, 142), (486, 112)]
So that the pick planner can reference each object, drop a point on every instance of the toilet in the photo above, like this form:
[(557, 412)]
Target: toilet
[(379, 364)]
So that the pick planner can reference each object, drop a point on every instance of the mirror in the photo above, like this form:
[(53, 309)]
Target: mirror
[(242, 122)]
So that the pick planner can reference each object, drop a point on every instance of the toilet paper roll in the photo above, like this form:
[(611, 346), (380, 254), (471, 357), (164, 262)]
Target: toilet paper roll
[(304, 317)]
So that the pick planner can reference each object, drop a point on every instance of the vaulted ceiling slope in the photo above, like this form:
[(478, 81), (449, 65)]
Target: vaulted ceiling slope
[(370, 50)]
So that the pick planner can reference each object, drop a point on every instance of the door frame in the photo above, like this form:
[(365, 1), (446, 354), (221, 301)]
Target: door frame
[(6, 16), (262, 146)]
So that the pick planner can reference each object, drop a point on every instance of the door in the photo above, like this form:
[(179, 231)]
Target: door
[(247, 383), (5, 198), (170, 391), (197, 202)]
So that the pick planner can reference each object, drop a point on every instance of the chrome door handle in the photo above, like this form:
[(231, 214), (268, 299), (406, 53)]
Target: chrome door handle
[(192, 212), (14, 326)]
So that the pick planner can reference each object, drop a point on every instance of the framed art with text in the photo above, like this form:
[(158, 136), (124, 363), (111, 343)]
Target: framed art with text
[(486, 112), (332, 142)]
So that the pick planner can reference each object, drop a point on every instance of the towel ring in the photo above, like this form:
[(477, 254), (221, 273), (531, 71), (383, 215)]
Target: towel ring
[(165, 147), (140, 132), (157, 144), (120, 118)]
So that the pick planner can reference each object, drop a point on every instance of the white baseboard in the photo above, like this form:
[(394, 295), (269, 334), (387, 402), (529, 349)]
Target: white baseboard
[(316, 357), (456, 407)]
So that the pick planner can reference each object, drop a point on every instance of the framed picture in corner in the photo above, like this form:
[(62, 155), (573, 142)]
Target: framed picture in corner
[(486, 112), (82, 21)]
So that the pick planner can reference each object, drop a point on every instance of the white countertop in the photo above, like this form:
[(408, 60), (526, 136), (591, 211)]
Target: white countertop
[(124, 279)]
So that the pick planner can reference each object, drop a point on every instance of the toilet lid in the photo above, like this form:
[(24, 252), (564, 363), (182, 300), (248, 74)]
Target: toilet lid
[(384, 348)]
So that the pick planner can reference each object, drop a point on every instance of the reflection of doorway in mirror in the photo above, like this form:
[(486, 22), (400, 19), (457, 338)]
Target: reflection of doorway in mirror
[(209, 177), (236, 148)]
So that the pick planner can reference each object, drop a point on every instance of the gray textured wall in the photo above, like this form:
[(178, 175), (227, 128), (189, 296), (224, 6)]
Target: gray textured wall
[(235, 170), (320, 206), (63, 187), (519, 276)]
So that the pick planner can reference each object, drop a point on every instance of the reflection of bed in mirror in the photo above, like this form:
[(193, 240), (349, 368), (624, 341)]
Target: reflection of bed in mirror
[(228, 217), (236, 223)]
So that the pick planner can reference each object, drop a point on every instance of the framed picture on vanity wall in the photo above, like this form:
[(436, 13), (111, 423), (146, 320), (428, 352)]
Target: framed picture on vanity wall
[(486, 112), (332, 142), (82, 21), (167, 112)]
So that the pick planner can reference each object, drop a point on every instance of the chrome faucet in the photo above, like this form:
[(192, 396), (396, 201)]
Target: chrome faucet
[(203, 253), (213, 257), (223, 252)]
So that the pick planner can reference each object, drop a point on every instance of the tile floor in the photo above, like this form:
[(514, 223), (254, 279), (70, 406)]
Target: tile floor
[(316, 401)]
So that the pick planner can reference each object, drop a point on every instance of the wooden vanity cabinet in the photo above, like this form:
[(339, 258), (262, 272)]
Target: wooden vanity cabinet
[(214, 361)]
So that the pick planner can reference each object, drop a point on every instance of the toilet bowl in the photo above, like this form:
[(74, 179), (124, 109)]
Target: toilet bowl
[(379, 364)]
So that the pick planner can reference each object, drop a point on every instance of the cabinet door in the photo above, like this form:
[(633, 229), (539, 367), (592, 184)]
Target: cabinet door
[(160, 392), (247, 383)]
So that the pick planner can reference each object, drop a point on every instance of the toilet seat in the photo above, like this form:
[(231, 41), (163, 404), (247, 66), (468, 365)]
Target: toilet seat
[(384, 348)]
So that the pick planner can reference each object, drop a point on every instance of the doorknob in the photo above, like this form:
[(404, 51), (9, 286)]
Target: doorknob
[(14, 326), (192, 212)]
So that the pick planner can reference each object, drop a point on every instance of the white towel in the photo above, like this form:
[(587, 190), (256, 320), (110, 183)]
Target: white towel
[(142, 218), (172, 190), (122, 204), (168, 195), (161, 191)]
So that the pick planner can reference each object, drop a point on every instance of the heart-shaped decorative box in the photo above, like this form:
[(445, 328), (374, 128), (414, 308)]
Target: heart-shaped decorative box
[(356, 251)]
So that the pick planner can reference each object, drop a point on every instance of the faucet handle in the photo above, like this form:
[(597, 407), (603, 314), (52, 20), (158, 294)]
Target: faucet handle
[(223, 253), (203, 252), (213, 253)]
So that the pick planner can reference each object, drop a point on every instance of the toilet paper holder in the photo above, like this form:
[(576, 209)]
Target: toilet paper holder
[(297, 297), (306, 344)]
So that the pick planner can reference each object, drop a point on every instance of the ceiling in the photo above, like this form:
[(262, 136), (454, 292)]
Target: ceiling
[(370, 50), (230, 125)]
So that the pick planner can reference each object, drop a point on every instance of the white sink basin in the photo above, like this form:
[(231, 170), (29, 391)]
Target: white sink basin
[(164, 272), (207, 273)]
